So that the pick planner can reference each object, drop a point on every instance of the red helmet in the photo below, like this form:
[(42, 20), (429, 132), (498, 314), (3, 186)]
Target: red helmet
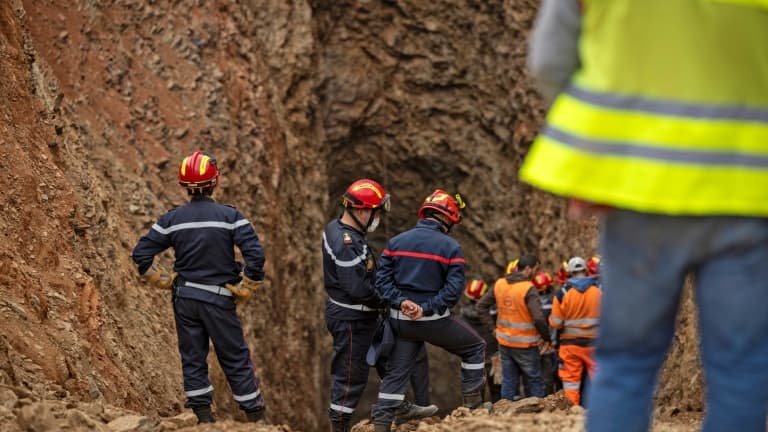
[(366, 194), (593, 265), (198, 170), (562, 273), (542, 280), (475, 289), (445, 204), (512, 266)]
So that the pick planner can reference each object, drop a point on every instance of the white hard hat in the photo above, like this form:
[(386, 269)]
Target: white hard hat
[(576, 264)]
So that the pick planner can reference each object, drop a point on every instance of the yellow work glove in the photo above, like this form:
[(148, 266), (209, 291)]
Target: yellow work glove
[(244, 290), (158, 277), (495, 372)]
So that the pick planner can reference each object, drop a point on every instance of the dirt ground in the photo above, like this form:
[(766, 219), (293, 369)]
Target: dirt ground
[(100, 99)]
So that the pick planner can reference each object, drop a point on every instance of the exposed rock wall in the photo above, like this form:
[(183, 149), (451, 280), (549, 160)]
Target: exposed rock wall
[(101, 98)]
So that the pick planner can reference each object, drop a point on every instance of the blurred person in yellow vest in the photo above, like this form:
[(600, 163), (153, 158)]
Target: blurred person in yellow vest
[(660, 119)]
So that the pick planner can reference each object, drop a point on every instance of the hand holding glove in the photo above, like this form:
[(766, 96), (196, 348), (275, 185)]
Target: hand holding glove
[(158, 277), (244, 289)]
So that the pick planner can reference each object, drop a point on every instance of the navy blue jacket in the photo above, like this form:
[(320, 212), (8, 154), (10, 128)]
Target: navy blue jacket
[(349, 270), (203, 235), (423, 265)]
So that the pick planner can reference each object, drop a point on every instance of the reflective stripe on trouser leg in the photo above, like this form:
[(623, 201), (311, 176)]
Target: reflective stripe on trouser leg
[(448, 333), (233, 354), (574, 359), (193, 348), (349, 369), (400, 367)]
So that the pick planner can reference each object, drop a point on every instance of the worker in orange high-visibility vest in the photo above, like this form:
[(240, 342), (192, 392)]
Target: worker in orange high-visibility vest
[(576, 314), (521, 328)]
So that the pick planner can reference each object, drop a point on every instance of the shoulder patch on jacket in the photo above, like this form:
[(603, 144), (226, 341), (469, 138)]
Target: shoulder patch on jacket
[(347, 238)]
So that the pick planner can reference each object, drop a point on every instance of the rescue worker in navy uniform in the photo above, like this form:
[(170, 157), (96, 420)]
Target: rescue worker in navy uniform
[(206, 281), (422, 277), (353, 308)]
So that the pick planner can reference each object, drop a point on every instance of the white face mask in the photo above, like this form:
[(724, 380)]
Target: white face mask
[(374, 224)]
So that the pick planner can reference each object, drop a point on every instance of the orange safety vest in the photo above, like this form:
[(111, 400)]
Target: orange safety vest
[(577, 314), (514, 325)]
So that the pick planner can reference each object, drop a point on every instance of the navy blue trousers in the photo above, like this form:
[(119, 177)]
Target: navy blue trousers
[(455, 336), (349, 369), (196, 323)]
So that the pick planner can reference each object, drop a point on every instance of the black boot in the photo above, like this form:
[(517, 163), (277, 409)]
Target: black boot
[(474, 399), (340, 426), (409, 411), (254, 415), (204, 414)]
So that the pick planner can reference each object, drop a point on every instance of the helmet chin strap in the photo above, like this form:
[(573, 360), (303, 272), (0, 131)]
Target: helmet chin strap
[(364, 227)]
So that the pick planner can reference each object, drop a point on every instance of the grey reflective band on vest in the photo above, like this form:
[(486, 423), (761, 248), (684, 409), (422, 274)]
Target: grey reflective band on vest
[(199, 392), (519, 339), (515, 325), (215, 289), (575, 331), (670, 108), (583, 321), (343, 409), (203, 224), (351, 263), (556, 320), (396, 314), (647, 151), (249, 396), (357, 307)]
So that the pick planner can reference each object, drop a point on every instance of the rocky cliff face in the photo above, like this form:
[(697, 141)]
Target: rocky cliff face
[(100, 99)]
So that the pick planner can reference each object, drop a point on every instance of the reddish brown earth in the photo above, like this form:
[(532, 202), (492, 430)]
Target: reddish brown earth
[(99, 100)]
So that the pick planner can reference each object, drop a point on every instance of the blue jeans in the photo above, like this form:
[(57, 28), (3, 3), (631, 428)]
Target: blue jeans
[(646, 258), (525, 362)]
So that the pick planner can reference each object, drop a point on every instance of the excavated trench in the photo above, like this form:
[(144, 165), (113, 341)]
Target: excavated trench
[(100, 99)]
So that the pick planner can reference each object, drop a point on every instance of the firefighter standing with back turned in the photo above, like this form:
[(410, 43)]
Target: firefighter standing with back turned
[(422, 277), (206, 283)]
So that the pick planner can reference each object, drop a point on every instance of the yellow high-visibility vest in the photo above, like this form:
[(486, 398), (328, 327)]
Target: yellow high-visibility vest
[(668, 113)]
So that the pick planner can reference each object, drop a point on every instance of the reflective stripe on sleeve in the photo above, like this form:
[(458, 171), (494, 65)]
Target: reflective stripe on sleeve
[(556, 320), (341, 263), (199, 392)]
